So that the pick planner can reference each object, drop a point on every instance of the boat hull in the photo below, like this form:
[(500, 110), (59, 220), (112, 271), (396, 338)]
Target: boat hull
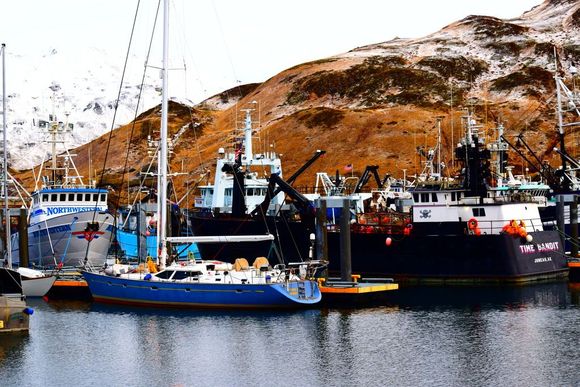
[(63, 239), (292, 238), (417, 257), (454, 258), (37, 287), (119, 290)]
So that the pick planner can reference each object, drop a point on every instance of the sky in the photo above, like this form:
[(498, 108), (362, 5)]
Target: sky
[(222, 43)]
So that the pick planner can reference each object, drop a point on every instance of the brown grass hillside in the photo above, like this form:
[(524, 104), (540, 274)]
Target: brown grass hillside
[(373, 105)]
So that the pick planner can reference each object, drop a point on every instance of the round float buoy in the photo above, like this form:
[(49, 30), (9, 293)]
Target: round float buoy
[(28, 311), (388, 241), (529, 238), (472, 224)]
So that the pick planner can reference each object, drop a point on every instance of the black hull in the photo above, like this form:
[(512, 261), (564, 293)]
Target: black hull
[(291, 238), (415, 258), (454, 258)]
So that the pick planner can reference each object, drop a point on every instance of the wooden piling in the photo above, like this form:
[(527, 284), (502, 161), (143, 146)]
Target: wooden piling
[(574, 226), (23, 237), (345, 246)]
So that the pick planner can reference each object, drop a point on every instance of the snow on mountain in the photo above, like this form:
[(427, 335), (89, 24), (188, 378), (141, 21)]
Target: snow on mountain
[(86, 84), (482, 36)]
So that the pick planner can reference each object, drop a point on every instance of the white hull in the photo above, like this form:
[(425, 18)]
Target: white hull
[(66, 241), (37, 287)]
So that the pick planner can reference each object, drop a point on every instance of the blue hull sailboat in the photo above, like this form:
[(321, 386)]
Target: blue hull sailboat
[(182, 295), (201, 284), (194, 286), (208, 284)]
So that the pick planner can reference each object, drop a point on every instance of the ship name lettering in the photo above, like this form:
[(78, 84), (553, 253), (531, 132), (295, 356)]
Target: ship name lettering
[(540, 247), (66, 210), (548, 246), (527, 249)]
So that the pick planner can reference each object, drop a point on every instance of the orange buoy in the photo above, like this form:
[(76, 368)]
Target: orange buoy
[(472, 224)]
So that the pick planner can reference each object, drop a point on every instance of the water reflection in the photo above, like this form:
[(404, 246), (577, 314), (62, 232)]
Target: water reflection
[(481, 297), (443, 336)]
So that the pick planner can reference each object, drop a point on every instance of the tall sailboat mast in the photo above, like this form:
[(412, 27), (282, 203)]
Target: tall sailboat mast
[(162, 194), (7, 245)]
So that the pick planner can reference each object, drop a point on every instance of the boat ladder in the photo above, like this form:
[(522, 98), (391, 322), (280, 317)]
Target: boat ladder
[(301, 290)]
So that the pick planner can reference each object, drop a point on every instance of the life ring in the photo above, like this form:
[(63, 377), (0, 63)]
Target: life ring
[(472, 224)]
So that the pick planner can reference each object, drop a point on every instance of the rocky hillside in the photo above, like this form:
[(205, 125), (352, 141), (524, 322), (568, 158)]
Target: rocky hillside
[(376, 104)]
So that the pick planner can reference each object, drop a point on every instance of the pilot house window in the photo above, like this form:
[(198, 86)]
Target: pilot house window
[(478, 211)]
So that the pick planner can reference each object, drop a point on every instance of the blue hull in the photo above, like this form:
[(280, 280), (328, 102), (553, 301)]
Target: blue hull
[(194, 295)]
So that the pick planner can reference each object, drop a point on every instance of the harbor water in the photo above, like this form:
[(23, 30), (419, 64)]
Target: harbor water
[(508, 336)]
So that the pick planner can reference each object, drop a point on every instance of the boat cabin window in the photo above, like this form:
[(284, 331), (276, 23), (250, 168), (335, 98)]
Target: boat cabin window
[(71, 197), (452, 196), (45, 197), (79, 197), (63, 197), (88, 197), (416, 197), (478, 211), (166, 274), (103, 198), (424, 198), (180, 274), (95, 197), (228, 192), (53, 197), (434, 197)]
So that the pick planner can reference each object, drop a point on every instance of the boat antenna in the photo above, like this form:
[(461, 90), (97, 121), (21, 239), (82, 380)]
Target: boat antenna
[(451, 123), (7, 245)]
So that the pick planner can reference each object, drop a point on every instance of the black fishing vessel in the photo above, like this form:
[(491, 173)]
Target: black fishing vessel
[(468, 232), (243, 201), (465, 232)]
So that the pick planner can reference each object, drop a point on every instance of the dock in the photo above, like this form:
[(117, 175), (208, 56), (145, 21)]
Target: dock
[(574, 266), (356, 292), (69, 286)]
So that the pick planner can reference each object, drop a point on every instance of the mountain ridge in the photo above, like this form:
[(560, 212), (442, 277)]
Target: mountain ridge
[(378, 103)]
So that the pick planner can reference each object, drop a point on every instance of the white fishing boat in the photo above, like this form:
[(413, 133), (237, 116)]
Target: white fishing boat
[(69, 224), (219, 197)]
